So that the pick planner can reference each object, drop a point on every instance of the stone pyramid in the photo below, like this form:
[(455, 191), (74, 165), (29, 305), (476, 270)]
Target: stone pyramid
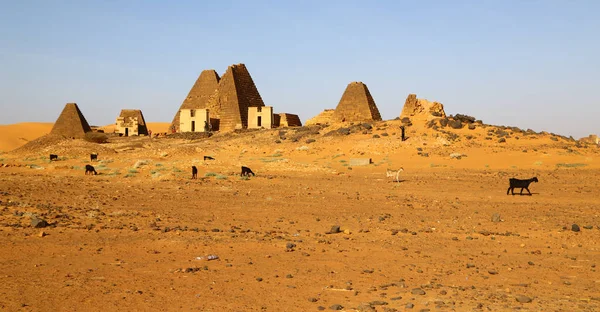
[(136, 114), (236, 92), (356, 104), (198, 97), (71, 123), (421, 109)]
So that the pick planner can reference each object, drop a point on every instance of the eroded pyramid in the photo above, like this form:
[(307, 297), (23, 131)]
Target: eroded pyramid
[(356, 104), (71, 123)]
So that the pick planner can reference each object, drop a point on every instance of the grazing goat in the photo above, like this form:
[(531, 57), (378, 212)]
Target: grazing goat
[(194, 172), (523, 184), (247, 171), (53, 157), (93, 157), (89, 169), (394, 173), (208, 158)]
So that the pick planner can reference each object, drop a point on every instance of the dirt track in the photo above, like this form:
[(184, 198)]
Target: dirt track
[(119, 243)]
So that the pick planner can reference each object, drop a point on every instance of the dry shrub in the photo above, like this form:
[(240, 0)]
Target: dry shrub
[(96, 137)]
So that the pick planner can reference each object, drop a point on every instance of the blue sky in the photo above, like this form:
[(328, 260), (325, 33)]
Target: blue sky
[(531, 64)]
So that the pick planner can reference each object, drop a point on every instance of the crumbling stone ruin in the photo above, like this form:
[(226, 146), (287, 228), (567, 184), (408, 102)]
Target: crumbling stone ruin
[(356, 104), (230, 102), (323, 118), (71, 123), (205, 86), (421, 109), (131, 122)]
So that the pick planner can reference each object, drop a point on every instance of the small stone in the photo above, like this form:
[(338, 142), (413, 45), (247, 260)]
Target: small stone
[(418, 291), (336, 307), (523, 299), (470, 265), (289, 276), (455, 238), (334, 229), (320, 308), (588, 227), (290, 246), (530, 263), (42, 234), (259, 279), (496, 217), (493, 272), (313, 299), (38, 222), (575, 228), (409, 306), (502, 140), (378, 302)]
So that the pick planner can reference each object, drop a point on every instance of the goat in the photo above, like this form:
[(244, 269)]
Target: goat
[(194, 172), (93, 157), (53, 157), (394, 172), (523, 184), (89, 169), (208, 158), (247, 171)]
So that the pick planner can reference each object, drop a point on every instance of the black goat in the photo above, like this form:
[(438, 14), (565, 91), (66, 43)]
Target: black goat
[(208, 158), (89, 169), (247, 171), (523, 184), (194, 172), (93, 157), (53, 157)]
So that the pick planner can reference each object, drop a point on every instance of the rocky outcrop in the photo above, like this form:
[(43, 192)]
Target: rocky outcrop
[(421, 109)]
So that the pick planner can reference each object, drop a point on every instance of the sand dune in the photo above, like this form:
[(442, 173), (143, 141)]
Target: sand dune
[(16, 135)]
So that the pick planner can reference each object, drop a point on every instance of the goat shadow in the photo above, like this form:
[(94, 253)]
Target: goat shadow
[(524, 194)]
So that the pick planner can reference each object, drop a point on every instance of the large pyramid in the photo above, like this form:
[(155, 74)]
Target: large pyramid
[(356, 104), (198, 97), (71, 123), (236, 92)]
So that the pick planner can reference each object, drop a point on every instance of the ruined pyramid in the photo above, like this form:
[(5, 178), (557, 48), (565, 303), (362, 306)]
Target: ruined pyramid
[(230, 102), (356, 104), (71, 123), (421, 109), (205, 86)]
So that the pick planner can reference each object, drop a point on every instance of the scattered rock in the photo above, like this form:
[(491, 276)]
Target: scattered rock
[(310, 141), (259, 279), (290, 246), (588, 227), (334, 230), (418, 291), (470, 265), (523, 299), (472, 126), (502, 140), (313, 299), (575, 228), (336, 307), (492, 272), (38, 222), (455, 124), (409, 306), (496, 217), (376, 136)]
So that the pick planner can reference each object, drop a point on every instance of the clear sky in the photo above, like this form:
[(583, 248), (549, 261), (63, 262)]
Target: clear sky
[(531, 64)]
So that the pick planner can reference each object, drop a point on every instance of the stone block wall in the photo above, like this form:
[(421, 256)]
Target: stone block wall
[(265, 113), (193, 120), (288, 120)]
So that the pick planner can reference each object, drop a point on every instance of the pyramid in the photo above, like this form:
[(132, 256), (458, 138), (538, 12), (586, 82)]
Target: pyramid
[(197, 98), (230, 102), (356, 104), (71, 123), (127, 114)]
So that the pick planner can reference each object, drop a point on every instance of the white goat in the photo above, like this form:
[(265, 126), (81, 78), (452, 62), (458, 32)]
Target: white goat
[(394, 172)]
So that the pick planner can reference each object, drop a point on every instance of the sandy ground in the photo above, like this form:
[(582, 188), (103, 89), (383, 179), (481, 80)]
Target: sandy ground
[(128, 238)]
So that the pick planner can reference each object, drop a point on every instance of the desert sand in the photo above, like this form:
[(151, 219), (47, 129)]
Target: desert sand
[(445, 237)]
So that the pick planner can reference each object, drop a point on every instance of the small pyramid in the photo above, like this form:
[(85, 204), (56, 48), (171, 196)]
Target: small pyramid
[(198, 97), (71, 123), (356, 104), (136, 114), (230, 102)]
